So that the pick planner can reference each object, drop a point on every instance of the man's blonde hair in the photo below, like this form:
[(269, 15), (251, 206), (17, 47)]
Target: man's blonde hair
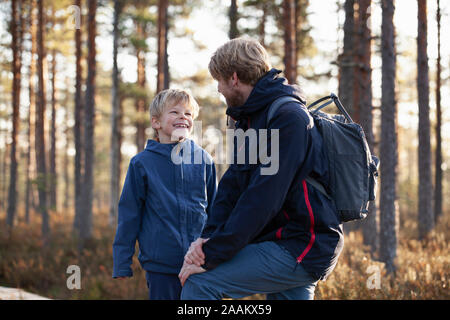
[(246, 57), (171, 97)]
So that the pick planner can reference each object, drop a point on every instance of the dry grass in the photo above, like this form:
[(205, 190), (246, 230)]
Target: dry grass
[(423, 267)]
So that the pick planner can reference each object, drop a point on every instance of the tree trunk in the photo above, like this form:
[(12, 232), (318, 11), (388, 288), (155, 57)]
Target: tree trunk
[(66, 202), (3, 176), (346, 59), (4, 160), (262, 24), (78, 127), (162, 16), (16, 45), (388, 144), (166, 57), (369, 225), (425, 213), (141, 102), (40, 119), (31, 112), (89, 122), (233, 16), (357, 62), (438, 158), (290, 42), (53, 181), (115, 140)]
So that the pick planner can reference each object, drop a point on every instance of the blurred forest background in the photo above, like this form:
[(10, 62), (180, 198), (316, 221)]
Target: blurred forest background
[(76, 79)]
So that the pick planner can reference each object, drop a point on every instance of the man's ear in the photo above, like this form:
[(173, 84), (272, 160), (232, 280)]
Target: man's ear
[(234, 79)]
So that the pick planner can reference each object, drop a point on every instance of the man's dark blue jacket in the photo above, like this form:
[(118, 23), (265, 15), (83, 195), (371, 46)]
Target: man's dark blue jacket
[(250, 207)]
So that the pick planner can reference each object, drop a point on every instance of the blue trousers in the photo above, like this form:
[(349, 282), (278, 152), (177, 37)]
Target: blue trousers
[(163, 286), (263, 268)]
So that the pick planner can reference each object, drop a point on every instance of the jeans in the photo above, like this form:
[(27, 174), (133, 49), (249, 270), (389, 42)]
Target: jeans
[(264, 268), (163, 286)]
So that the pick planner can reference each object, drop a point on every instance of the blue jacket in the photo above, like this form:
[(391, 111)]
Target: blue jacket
[(164, 205), (283, 207)]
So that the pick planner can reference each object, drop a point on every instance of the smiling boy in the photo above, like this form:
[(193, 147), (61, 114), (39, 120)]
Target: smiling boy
[(164, 205)]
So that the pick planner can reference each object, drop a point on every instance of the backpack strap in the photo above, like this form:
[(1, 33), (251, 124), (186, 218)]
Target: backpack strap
[(276, 105), (272, 110), (316, 184)]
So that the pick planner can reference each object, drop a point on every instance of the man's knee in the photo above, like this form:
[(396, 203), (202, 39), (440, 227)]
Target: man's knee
[(195, 289)]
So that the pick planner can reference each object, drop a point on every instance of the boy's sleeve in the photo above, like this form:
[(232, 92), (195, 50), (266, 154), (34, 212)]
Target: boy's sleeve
[(131, 204)]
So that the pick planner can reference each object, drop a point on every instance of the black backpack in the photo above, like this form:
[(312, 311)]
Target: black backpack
[(353, 170)]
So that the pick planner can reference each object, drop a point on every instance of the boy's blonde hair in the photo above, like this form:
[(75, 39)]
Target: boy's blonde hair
[(246, 57), (170, 97)]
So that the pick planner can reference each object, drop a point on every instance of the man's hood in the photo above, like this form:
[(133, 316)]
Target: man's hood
[(270, 87)]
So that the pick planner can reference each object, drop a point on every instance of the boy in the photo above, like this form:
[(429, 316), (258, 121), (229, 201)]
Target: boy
[(164, 205)]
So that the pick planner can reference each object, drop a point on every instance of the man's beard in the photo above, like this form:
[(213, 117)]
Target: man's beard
[(235, 100)]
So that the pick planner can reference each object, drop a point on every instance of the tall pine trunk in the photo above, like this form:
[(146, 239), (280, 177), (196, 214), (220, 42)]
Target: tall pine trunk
[(290, 42), (438, 158), (115, 115), (388, 143), (162, 41), (166, 57), (141, 102), (364, 83), (16, 45), (40, 119), (78, 127), (262, 24), (425, 213), (52, 159), (31, 112), (66, 203), (233, 16), (346, 59), (89, 122)]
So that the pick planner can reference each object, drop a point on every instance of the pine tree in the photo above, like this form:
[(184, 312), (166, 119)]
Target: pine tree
[(438, 158), (16, 26), (388, 143), (40, 137), (425, 213), (89, 122)]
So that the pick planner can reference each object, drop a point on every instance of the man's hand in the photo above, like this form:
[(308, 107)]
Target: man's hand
[(195, 253), (187, 270)]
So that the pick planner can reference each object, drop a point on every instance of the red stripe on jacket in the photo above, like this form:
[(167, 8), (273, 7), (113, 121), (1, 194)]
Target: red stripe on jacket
[(311, 227), (278, 234)]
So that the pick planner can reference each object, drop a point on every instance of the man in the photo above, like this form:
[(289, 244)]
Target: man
[(270, 234)]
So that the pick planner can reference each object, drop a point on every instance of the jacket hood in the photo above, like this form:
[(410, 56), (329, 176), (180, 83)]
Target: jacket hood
[(163, 148), (270, 87), (187, 151)]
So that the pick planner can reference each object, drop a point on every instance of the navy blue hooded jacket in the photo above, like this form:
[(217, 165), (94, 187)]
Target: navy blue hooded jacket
[(164, 205), (282, 207)]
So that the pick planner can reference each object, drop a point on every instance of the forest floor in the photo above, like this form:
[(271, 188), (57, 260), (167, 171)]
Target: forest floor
[(423, 267)]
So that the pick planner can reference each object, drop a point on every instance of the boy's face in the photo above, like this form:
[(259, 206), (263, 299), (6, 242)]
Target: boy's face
[(174, 124)]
